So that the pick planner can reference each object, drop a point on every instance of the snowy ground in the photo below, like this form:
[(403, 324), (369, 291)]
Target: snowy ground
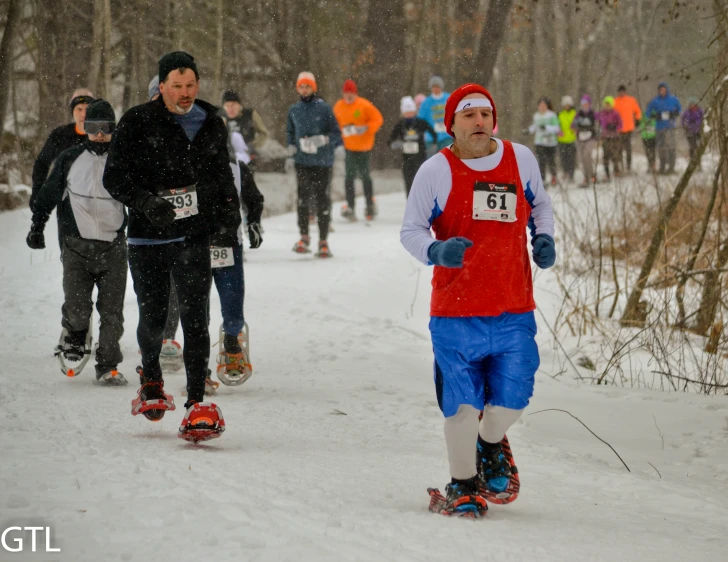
[(331, 445)]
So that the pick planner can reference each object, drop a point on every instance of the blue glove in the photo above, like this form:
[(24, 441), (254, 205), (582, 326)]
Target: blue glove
[(544, 250), (449, 253)]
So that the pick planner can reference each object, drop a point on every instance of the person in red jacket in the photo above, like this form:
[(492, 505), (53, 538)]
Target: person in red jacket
[(480, 197)]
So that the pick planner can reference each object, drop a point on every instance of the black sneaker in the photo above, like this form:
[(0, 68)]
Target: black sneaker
[(231, 343), (494, 470), (462, 498), (152, 394)]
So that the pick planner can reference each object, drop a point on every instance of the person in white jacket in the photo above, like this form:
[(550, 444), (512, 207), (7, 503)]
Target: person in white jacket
[(545, 128)]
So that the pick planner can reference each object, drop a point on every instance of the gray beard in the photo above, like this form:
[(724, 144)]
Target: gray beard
[(182, 110)]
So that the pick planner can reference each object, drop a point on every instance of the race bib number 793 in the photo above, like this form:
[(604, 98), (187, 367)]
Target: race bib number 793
[(495, 201), (183, 199)]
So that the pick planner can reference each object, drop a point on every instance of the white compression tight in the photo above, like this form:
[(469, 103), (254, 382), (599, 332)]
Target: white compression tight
[(461, 435)]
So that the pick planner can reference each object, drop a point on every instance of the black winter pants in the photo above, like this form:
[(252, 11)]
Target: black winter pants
[(567, 156), (89, 263), (410, 166), (189, 264), (546, 156), (314, 186)]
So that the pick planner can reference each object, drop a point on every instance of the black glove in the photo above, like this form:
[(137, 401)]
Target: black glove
[(611, 126), (637, 122), (542, 127), (35, 239), (159, 211), (255, 234)]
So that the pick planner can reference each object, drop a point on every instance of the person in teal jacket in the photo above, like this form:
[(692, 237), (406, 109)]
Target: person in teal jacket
[(313, 134), (432, 110), (567, 137)]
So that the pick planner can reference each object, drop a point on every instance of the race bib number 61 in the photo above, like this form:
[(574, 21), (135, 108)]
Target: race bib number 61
[(183, 199), (495, 201)]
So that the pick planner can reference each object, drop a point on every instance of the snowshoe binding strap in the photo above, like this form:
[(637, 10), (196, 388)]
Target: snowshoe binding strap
[(202, 422), (153, 409)]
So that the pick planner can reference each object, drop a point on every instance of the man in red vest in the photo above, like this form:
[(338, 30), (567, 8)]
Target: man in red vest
[(481, 197)]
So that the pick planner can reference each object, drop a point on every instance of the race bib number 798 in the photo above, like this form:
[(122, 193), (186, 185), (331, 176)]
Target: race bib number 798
[(221, 257), (495, 201)]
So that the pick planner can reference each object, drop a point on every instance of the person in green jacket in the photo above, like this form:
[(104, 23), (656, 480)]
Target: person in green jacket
[(649, 139), (567, 137)]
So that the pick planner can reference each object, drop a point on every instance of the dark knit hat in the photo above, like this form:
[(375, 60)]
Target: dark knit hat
[(78, 100), (230, 95), (100, 110), (175, 60)]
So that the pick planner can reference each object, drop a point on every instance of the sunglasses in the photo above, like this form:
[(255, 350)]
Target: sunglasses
[(93, 128)]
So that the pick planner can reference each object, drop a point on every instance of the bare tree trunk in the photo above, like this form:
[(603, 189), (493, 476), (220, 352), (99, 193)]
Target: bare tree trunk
[(491, 40), (217, 80), (6, 57), (631, 316), (97, 48), (107, 48)]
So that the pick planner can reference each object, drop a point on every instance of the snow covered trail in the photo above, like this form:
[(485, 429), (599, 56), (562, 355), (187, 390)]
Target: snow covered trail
[(331, 445)]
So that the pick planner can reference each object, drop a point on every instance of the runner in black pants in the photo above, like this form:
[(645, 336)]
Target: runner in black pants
[(169, 164)]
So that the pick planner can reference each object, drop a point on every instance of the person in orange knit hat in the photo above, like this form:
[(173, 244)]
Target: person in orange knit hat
[(359, 121), (631, 114)]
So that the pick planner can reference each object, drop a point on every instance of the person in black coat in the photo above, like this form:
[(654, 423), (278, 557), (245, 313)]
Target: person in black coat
[(168, 163), (408, 135)]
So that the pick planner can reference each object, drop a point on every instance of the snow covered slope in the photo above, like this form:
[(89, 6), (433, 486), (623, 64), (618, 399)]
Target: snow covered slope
[(331, 445)]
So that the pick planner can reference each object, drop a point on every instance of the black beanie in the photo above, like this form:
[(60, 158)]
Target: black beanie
[(175, 60), (229, 95), (79, 100), (100, 110)]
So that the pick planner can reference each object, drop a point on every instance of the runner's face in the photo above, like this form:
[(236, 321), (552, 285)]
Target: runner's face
[(349, 97), (409, 115), (436, 90), (179, 90), (232, 109), (304, 90), (542, 107), (473, 129), (79, 114)]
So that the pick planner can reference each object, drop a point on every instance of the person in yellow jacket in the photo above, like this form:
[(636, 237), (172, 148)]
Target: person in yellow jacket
[(359, 121), (567, 137), (631, 114)]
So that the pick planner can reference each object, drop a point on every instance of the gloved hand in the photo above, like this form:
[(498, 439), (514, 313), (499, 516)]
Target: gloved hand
[(611, 127), (36, 239), (292, 150), (159, 211), (637, 122), (544, 251), (449, 253), (255, 234), (361, 130), (525, 132), (289, 166), (396, 145), (340, 152), (542, 127)]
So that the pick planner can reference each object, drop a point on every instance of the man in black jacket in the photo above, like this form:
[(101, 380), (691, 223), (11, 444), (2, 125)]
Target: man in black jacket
[(168, 163), (60, 139)]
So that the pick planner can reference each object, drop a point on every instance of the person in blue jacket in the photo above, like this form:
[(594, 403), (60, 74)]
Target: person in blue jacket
[(313, 135), (665, 108), (432, 110)]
